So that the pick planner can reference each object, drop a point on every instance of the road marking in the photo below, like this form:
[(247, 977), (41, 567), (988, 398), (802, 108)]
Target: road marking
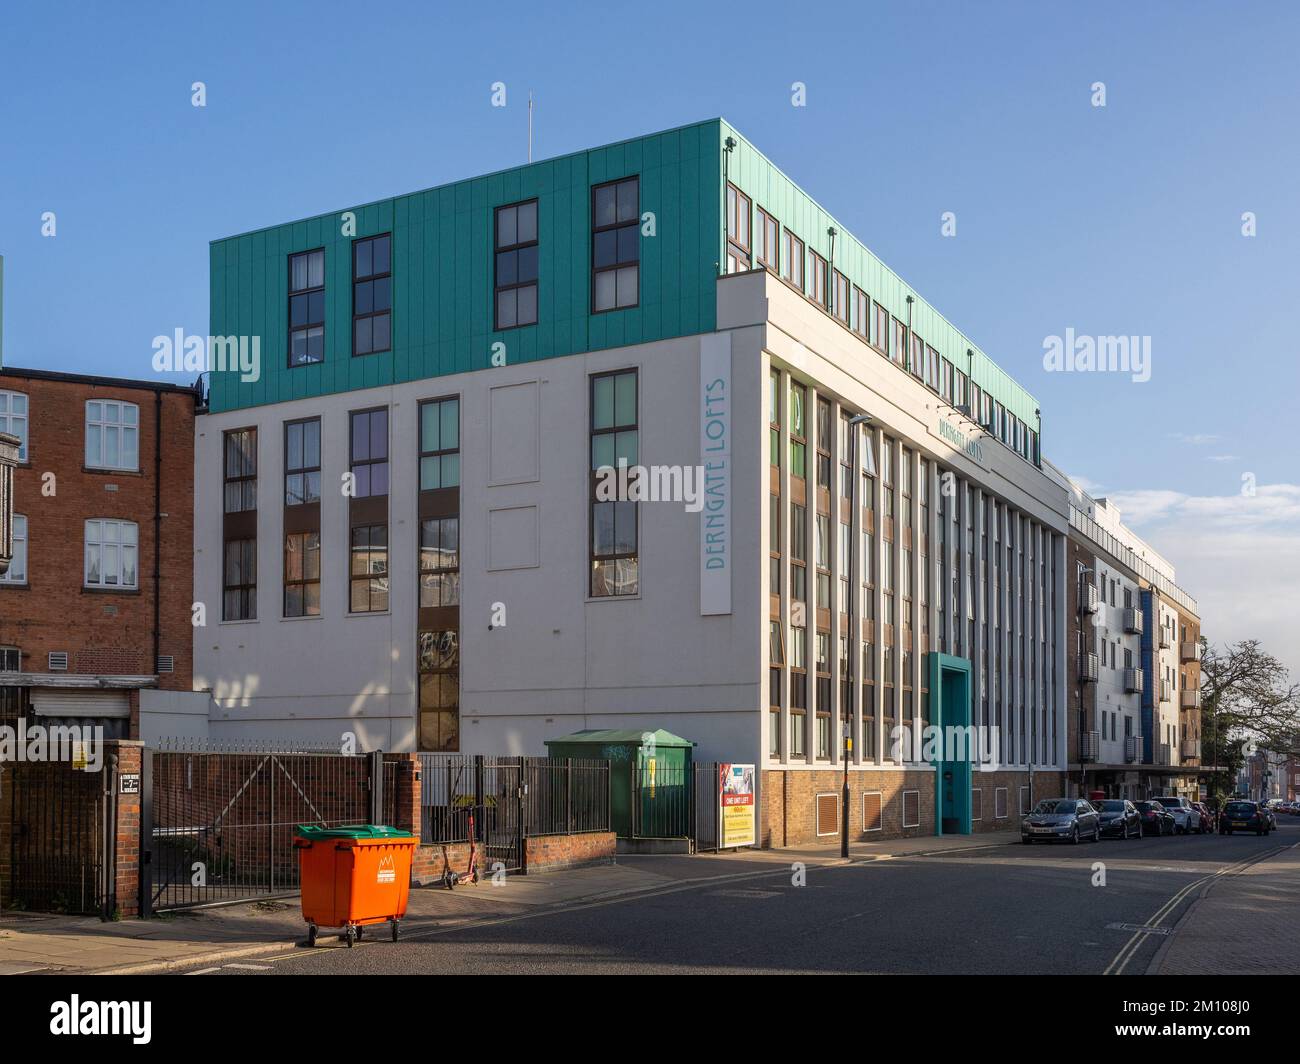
[(250, 967), (1131, 947), (204, 971)]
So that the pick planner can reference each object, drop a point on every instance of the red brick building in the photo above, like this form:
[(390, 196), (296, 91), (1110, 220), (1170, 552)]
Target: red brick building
[(95, 605)]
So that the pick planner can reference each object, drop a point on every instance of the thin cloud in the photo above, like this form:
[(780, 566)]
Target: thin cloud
[(1196, 439)]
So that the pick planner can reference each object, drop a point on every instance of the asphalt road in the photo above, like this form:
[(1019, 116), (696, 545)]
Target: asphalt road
[(1002, 909)]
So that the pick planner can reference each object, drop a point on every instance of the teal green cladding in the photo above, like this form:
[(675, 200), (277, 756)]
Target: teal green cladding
[(442, 269), (768, 188)]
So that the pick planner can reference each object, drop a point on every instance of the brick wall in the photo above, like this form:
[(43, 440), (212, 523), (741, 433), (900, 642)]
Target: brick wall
[(127, 876), (551, 853), (788, 810), (102, 631)]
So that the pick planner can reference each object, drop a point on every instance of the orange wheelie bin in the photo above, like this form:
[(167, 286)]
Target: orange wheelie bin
[(353, 876)]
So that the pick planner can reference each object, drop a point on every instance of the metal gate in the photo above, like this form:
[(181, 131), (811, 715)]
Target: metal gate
[(59, 837), (492, 790), (217, 827)]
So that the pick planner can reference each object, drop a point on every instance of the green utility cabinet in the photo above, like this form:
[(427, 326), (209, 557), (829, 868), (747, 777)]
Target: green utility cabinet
[(649, 778)]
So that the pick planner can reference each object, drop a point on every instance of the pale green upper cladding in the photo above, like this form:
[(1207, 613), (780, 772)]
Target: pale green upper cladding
[(755, 175), (443, 276)]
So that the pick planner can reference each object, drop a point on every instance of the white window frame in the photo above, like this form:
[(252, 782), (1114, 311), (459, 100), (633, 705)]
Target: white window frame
[(20, 537), (917, 823), (102, 426), (121, 545), (8, 417)]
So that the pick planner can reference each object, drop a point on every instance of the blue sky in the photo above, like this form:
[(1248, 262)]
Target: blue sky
[(1117, 220)]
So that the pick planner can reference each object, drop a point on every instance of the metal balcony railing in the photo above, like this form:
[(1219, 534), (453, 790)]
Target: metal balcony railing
[(1189, 699), (1164, 691), (1164, 638), (1087, 668), (1132, 748), (1189, 652), (1164, 754), (1088, 598), (1191, 749), (1089, 746), (1132, 680), (1132, 620)]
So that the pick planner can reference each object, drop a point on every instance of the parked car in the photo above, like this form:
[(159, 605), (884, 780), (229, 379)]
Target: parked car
[(1186, 819), (1061, 818), (1242, 815), (1207, 818), (1155, 821), (1119, 818)]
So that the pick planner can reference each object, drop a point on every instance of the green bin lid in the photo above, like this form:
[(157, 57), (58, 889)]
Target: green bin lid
[(351, 831)]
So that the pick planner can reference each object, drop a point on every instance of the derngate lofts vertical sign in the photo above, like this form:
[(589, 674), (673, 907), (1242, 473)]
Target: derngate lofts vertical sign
[(715, 457)]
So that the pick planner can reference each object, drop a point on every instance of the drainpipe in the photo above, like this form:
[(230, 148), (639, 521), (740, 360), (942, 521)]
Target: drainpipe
[(157, 525), (728, 146)]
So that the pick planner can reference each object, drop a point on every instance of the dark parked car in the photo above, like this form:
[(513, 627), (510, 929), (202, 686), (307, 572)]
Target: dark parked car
[(1240, 815), (1207, 818), (1061, 818), (1119, 818), (1155, 820)]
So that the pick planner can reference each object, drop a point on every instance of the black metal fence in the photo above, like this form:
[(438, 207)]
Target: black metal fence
[(218, 827), (566, 796), (58, 837)]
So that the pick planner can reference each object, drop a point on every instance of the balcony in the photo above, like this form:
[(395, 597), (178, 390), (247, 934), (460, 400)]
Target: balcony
[(1164, 691), (1087, 668), (1087, 598), (1132, 748), (1132, 620), (1164, 638), (1164, 754), (1132, 680), (1191, 749), (1089, 747), (1189, 699), (1189, 652)]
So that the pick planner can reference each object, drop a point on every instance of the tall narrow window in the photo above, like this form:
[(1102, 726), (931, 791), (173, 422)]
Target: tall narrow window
[(307, 307), (614, 562), (17, 571), (439, 574), (862, 313), (769, 233), (880, 331), (840, 296), (112, 435), (798, 439), (792, 259), (302, 518), (516, 265), (13, 419), (738, 214), (817, 292), (239, 526), (368, 512), (615, 245), (372, 295)]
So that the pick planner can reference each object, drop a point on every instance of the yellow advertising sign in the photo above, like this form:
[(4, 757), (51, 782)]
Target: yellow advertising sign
[(736, 822)]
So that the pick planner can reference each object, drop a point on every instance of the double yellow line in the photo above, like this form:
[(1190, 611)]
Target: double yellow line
[(1131, 947)]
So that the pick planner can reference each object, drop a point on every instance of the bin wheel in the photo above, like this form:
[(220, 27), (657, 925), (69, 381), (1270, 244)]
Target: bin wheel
[(311, 935), (352, 935), (449, 880), (396, 930)]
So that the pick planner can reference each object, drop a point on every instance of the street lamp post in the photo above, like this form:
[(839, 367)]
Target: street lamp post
[(847, 743)]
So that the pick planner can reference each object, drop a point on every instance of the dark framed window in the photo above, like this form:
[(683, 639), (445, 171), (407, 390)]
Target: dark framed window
[(241, 471), (302, 462), (798, 437), (439, 672), (739, 212), (614, 539), (372, 295), (239, 580), (369, 452), (769, 237), (302, 574), (792, 259), (898, 342), (615, 245), (823, 443), (515, 297), (307, 307), (840, 296), (439, 444), (861, 313), (368, 578), (440, 562), (880, 331), (817, 291)]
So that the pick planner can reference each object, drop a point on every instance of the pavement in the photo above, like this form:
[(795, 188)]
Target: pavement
[(54, 944), (1242, 924)]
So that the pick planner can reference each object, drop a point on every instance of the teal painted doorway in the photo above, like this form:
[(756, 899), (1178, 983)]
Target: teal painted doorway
[(950, 695)]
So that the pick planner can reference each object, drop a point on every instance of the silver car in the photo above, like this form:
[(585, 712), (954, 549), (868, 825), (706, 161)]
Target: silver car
[(1061, 818)]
